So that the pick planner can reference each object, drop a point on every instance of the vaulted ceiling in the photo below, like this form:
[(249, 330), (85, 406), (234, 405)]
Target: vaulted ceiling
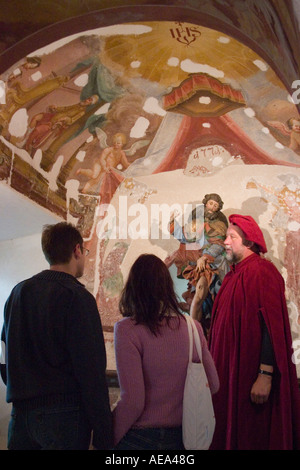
[(22, 20)]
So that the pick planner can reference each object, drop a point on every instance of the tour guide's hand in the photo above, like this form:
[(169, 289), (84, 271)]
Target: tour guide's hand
[(261, 389)]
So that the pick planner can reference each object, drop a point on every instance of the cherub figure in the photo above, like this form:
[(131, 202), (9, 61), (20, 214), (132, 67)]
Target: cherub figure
[(111, 157), (291, 129)]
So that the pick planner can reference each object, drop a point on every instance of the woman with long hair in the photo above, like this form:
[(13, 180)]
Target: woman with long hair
[(152, 349)]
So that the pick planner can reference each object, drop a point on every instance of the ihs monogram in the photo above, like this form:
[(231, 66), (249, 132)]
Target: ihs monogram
[(185, 34)]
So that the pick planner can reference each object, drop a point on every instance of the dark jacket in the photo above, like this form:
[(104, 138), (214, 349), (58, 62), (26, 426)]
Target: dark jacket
[(55, 348)]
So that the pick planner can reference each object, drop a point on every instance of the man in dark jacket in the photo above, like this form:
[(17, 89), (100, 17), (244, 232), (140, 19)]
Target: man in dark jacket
[(55, 357)]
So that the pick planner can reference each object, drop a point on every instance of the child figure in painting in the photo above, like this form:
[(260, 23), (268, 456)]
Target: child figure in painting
[(294, 126), (290, 129), (110, 157)]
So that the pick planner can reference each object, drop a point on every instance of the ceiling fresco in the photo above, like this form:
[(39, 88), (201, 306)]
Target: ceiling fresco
[(155, 111), (64, 103)]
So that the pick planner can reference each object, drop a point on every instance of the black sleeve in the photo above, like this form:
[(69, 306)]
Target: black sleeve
[(85, 343), (267, 354), (2, 357)]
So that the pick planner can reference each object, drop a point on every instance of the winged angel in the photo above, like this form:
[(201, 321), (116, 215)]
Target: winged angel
[(291, 129), (113, 157)]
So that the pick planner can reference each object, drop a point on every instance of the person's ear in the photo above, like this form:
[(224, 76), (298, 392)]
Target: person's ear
[(77, 251)]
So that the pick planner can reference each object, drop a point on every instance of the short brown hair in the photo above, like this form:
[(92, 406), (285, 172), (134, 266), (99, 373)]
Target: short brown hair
[(59, 241)]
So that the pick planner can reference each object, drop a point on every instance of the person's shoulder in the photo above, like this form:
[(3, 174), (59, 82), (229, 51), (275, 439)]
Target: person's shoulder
[(128, 327), (267, 268), (125, 324), (66, 282), (266, 263), (80, 291), (222, 218), (199, 328), (23, 284)]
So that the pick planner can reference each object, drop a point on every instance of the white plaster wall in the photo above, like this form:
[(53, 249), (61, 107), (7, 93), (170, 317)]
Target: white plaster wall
[(19, 259), (256, 190)]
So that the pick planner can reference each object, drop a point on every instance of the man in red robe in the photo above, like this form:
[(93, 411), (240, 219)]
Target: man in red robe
[(258, 403)]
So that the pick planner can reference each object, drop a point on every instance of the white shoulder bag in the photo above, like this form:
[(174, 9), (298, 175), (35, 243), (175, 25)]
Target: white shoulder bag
[(198, 419)]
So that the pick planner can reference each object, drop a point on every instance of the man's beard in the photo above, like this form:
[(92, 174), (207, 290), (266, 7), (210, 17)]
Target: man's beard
[(232, 258), (229, 256), (210, 215)]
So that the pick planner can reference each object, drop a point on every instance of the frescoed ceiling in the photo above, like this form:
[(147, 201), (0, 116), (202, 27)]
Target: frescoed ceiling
[(67, 100), (270, 27), (179, 99)]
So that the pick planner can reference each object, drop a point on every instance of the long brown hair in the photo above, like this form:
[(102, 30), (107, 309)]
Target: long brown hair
[(148, 295)]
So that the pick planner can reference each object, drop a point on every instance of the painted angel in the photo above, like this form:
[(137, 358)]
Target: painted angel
[(290, 129), (114, 157)]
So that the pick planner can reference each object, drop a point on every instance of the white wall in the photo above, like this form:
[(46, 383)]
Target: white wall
[(19, 259)]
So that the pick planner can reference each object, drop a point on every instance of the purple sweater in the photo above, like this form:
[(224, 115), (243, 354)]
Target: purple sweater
[(152, 372)]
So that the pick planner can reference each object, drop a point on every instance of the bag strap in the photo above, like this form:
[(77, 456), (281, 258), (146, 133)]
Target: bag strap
[(193, 335), (189, 327)]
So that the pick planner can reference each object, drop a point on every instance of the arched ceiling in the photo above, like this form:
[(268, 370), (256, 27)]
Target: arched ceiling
[(272, 25)]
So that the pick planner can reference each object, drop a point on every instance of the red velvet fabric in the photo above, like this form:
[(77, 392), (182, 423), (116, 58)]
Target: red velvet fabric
[(253, 290)]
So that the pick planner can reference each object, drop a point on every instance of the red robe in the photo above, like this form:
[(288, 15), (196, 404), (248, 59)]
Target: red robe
[(253, 290)]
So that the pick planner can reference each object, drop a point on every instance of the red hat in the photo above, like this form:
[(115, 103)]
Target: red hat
[(251, 230)]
